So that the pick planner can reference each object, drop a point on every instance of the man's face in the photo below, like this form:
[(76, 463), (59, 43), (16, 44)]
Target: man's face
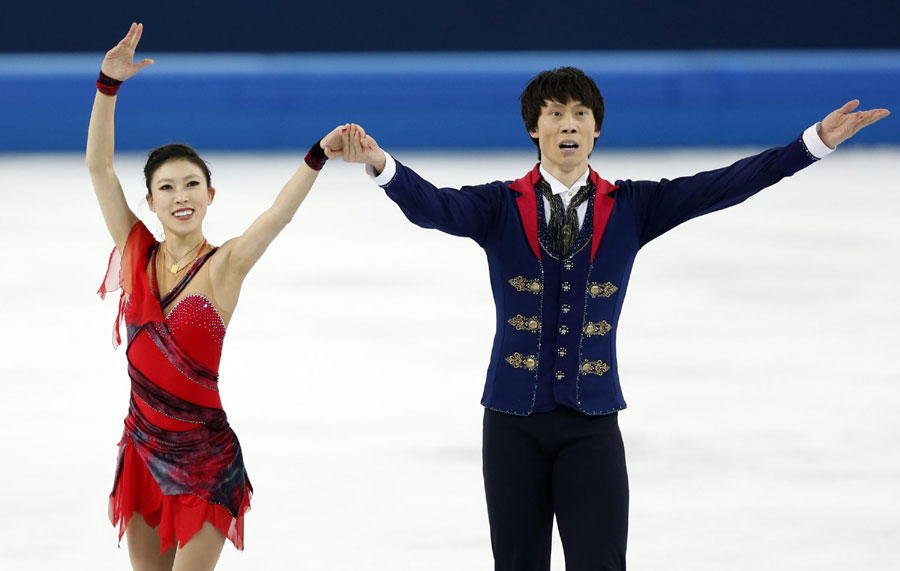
[(565, 134)]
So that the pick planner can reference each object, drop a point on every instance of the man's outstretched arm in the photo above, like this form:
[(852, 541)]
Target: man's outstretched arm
[(665, 204)]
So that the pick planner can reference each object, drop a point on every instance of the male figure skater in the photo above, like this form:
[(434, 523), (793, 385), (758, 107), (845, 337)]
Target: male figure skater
[(560, 243)]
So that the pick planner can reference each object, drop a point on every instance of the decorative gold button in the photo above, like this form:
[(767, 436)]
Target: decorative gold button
[(525, 284), (594, 368), (602, 290), (518, 360), (522, 323), (597, 328)]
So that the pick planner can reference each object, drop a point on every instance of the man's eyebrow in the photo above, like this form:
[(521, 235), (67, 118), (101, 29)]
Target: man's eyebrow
[(553, 103)]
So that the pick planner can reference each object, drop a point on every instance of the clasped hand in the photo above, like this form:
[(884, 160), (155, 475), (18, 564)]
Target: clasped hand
[(351, 143)]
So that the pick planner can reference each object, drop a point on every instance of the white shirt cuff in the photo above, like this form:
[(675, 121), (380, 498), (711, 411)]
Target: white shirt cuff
[(814, 143), (387, 174)]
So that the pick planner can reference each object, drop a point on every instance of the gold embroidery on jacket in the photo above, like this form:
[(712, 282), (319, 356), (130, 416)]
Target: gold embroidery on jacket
[(522, 323), (602, 290), (594, 368), (519, 361), (600, 328), (523, 284)]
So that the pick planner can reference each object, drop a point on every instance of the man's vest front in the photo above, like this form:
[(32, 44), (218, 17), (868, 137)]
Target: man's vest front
[(555, 333)]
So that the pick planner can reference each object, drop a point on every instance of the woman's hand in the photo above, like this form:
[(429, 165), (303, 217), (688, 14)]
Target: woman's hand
[(119, 61), (332, 143)]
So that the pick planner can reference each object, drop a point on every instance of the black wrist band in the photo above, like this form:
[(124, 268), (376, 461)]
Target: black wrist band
[(107, 85), (316, 158)]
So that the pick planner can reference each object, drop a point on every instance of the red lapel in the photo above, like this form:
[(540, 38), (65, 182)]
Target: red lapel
[(528, 207), (603, 205)]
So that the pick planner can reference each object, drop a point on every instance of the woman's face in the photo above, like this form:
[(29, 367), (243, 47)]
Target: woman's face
[(179, 196)]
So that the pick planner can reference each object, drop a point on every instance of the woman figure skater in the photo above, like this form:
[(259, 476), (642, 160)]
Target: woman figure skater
[(180, 486)]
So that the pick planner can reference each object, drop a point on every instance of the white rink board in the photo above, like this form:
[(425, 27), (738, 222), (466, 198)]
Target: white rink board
[(758, 354)]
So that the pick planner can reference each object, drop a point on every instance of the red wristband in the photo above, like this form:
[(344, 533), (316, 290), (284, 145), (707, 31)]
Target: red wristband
[(107, 85), (316, 158)]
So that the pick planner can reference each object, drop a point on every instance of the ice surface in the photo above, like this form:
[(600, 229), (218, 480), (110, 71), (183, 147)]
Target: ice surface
[(758, 353)]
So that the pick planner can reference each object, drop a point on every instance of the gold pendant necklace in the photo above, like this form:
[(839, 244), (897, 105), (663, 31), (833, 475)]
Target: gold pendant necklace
[(175, 267)]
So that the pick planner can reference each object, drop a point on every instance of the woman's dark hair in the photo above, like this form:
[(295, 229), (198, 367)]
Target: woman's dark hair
[(174, 152), (563, 84)]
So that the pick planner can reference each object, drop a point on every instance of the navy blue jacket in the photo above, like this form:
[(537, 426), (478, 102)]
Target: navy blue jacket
[(557, 318)]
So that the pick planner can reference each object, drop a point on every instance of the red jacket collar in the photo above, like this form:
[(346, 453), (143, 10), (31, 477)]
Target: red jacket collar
[(527, 204)]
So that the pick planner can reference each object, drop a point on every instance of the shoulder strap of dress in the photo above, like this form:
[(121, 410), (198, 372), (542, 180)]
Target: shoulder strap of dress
[(176, 291)]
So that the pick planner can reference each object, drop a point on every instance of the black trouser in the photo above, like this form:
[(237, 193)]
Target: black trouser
[(559, 462)]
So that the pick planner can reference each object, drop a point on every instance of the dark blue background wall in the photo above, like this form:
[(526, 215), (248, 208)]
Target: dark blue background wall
[(460, 25)]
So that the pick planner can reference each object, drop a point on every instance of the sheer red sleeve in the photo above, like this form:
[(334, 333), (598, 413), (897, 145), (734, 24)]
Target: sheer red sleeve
[(128, 271)]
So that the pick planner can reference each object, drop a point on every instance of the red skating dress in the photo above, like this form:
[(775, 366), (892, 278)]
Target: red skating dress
[(180, 464)]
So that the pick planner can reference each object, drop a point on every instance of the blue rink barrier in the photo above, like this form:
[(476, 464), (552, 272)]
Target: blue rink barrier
[(249, 102)]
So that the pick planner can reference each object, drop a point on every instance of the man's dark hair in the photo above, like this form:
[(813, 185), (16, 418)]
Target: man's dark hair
[(562, 84), (173, 152)]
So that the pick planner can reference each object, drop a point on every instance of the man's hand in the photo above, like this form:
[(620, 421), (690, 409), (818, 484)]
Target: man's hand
[(119, 61), (351, 143), (841, 124)]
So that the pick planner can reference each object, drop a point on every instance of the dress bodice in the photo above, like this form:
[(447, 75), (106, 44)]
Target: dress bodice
[(198, 328), (177, 353)]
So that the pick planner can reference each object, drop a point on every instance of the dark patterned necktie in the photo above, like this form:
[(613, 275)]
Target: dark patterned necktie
[(563, 225)]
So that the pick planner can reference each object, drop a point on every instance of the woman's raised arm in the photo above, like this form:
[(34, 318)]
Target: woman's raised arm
[(237, 256), (117, 66)]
